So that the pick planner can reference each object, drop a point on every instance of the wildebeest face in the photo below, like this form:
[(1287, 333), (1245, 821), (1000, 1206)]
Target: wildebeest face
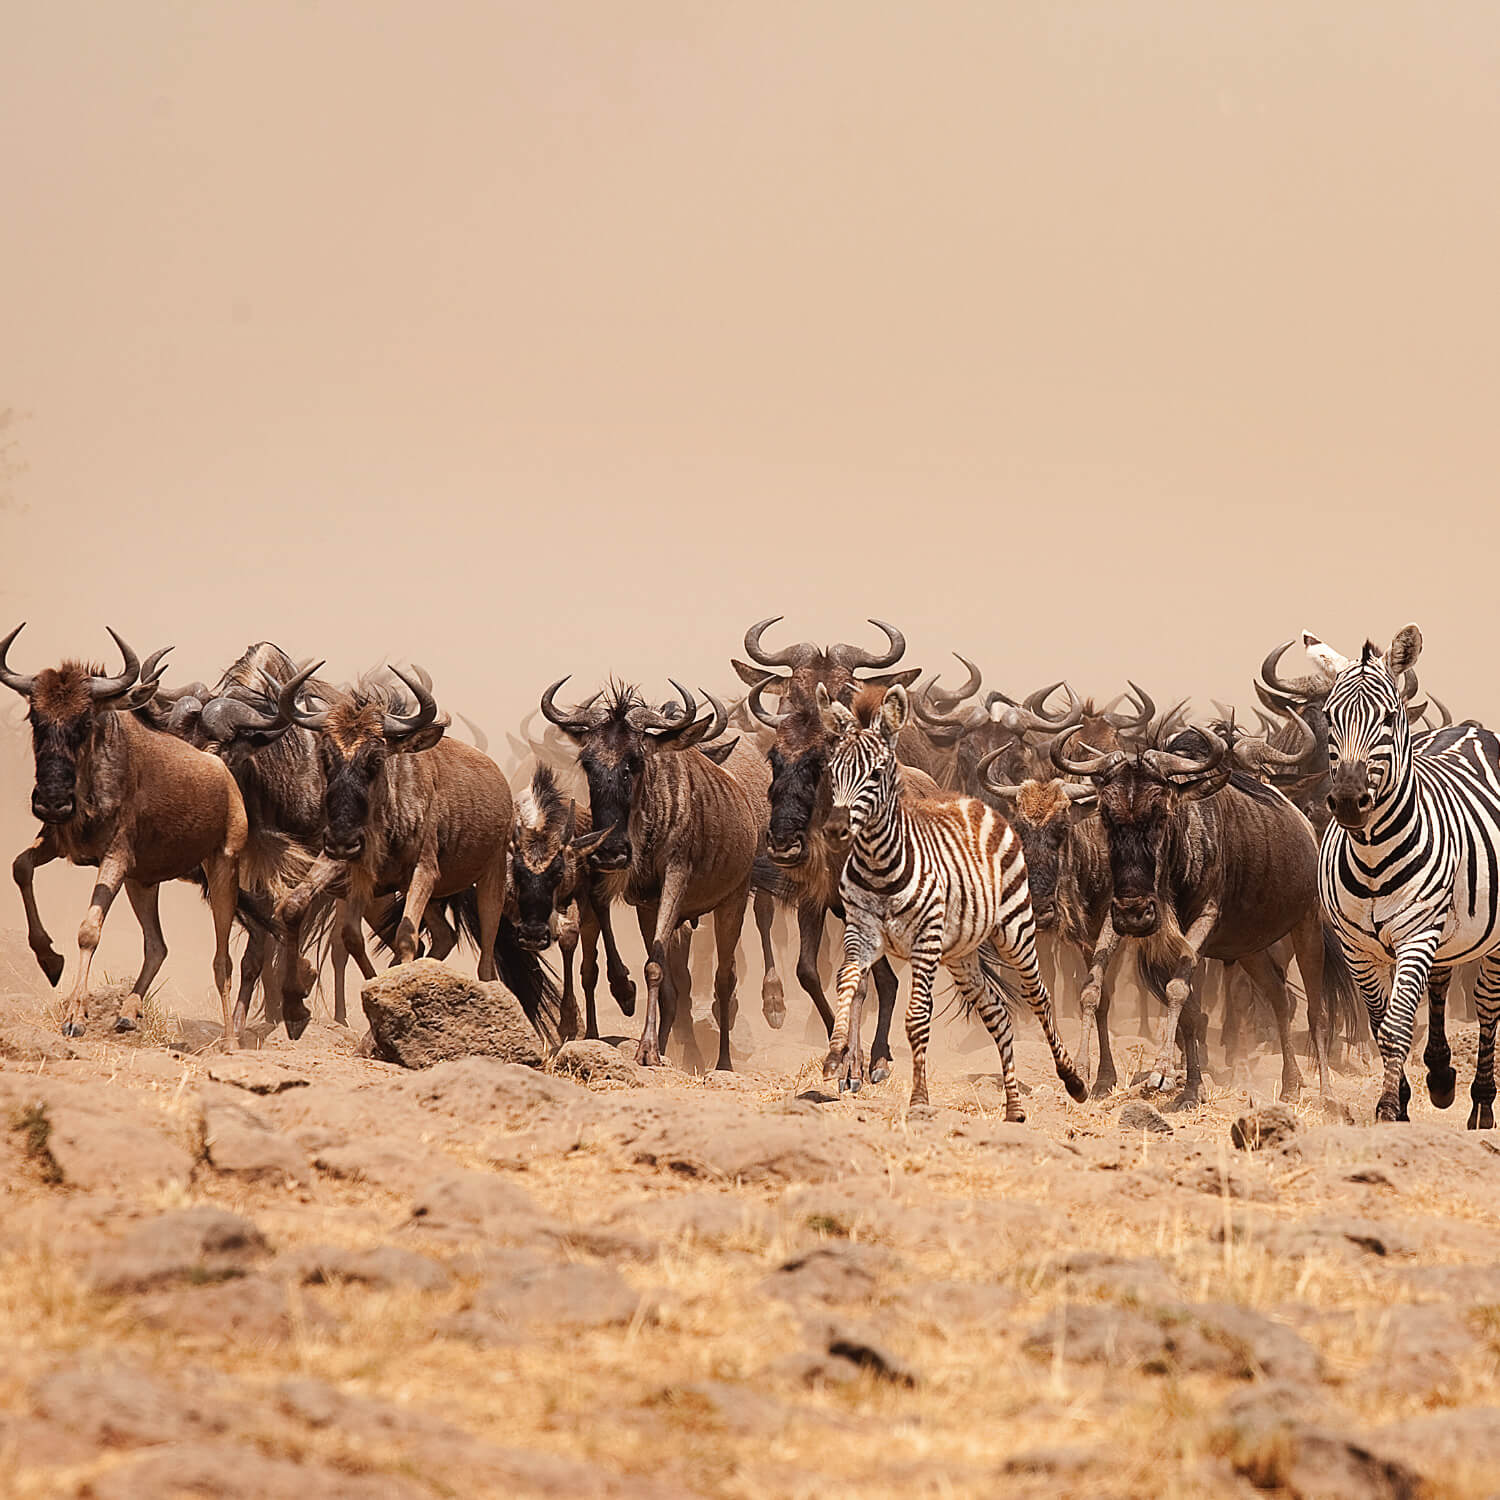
[(351, 768), (62, 730), (612, 762), (537, 881), (1044, 832), (1135, 809), (800, 799)]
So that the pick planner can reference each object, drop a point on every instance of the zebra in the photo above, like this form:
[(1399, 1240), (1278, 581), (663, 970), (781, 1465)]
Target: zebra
[(1407, 868), (935, 882)]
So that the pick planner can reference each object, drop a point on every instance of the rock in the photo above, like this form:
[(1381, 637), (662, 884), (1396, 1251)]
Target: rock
[(1007, 1135), (498, 1095), (248, 1311), (829, 1273), (1225, 1182), (546, 1298), (1210, 1338), (1299, 1239), (381, 1266), (1121, 1276), (859, 1345), (257, 1073), (957, 1307), (478, 1200), (1261, 1129), (597, 1062), (112, 1404), (736, 1409), (1136, 1114), (240, 1143), (423, 1013), (392, 1165), (711, 1218), (1454, 1445), (22, 1042), (551, 1141), (231, 1471), (199, 1244), (1421, 1350)]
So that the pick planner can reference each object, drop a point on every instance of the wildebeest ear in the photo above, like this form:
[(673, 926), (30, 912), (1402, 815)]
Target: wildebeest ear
[(582, 842), (891, 679), (895, 709), (423, 739), (751, 675), (1325, 656), (1405, 650)]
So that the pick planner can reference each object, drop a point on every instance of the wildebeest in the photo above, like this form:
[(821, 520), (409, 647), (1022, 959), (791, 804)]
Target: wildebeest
[(406, 809), (141, 805), (1207, 861), (683, 828)]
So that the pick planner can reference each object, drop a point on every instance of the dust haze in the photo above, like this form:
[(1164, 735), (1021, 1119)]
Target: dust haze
[(524, 340)]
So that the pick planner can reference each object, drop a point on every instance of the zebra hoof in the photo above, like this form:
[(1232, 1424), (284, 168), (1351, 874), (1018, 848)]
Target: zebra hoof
[(1388, 1111), (1077, 1089), (1441, 1086), (72, 1028), (1481, 1117)]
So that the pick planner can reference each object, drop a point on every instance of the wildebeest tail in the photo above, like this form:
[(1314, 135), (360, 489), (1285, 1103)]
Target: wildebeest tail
[(252, 909), (532, 982)]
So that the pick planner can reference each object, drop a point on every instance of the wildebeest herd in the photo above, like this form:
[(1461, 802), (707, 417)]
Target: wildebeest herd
[(1024, 844)]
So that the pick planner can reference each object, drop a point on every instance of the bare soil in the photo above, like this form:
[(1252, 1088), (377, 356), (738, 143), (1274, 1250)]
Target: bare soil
[(299, 1271)]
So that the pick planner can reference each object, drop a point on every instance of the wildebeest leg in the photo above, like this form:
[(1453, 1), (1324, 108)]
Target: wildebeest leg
[(1307, 945), (810, 923), (1179, 987), (974, 985), (1193, 1028), (490, 894), (1020, 959), (677, 1001), (1442, 1081), (729, 918), (772, 995), (1487, 1003), (658, 924), (1095, 1014), (862, 946), (586, 933), (143, 901), (567, 946), (418, 894), (111, 876), (223, 873), (883, 977), (442, 939), (621, 986), (252, 968), (348, 942), (1269, 978), (43, 851)]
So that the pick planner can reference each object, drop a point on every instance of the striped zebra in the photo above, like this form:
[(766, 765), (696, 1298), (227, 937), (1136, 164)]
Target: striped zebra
[(1407, 869), (934, 882)]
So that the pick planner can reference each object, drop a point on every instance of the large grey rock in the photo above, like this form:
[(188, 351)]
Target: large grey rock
[(423, 1013)]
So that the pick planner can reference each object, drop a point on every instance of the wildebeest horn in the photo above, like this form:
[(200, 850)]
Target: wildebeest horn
[(480, 738), (1146, 710), (1028, 716), (971, 686), (982, 770), (1409, 684), (286, 702), (720, 720), (1253, 752), (401, 726), (1285, 688), (15, 681), (766, 717), (969, 718), (1442, 709), (1099, 763), (856, 658), (225, 717), (573, 723), (145, 688), (784, 658), (104, 689), (1165, 763)]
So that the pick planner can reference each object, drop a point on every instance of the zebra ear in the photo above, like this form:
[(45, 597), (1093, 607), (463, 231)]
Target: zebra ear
[(895, 709), (837, 719), (1325, 656), (1405, 650)]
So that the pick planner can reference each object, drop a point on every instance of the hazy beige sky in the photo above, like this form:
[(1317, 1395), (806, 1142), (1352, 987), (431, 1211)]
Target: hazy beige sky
[(520, 339)]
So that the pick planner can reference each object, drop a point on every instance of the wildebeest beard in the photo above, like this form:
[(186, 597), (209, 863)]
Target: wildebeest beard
[(62, 722), (799, 789), (611, 775), (536, 896), (346, 802), (1134, 852)]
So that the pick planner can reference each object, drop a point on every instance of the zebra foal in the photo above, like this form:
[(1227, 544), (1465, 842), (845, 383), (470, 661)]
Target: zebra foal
[(933, 882), (1407, 868)]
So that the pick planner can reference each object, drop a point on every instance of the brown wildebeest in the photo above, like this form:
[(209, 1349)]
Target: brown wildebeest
[(142, 806), (683, 828), (407, 810), (1207, 861)]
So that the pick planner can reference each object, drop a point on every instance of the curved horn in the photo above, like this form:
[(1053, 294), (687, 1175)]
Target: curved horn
[(1253, 752), (573, 724), (1036, 703), (1165, 763), (766, 717), (1409, 684), (1286, 688), (400, 726), (970, 718), (1146, 710), (102, 689), (971, 685), (185, 708), (480, 738), (1027, 718), (1098, 764), (286, 703), (856, 658), (1442, 709), (17, 682), (720, 719), (784, 658), (655, 723), (982, 771)]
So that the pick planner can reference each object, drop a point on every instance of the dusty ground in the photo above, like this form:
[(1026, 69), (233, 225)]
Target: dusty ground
[(301, 1272)]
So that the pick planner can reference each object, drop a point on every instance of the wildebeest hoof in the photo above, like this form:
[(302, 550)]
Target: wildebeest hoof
[(1481, 1117), (624, 993), (296, 1022), (124, 1023), (1441, 1085), (1104, 1085), (1184, 1101), (72, 1028), (880, 1070), (1290, 1095), (52, 966)]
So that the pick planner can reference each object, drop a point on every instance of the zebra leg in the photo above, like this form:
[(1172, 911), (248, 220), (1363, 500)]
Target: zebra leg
[(1487, 1002), (1442, 1081), (1019, 955), (772, 995), (989, 1001), (924, 961), (1413, 965), (862, 947), (883, 977)]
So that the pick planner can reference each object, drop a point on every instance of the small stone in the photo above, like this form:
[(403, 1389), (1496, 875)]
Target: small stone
[(257, 1073), (1136, 1114), (381, 1266), (829, 1273), (597, 1062), (1262, 1129)]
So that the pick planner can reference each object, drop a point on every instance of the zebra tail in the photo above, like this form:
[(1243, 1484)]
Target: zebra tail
[(1345, 1007), (1002, 977)]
